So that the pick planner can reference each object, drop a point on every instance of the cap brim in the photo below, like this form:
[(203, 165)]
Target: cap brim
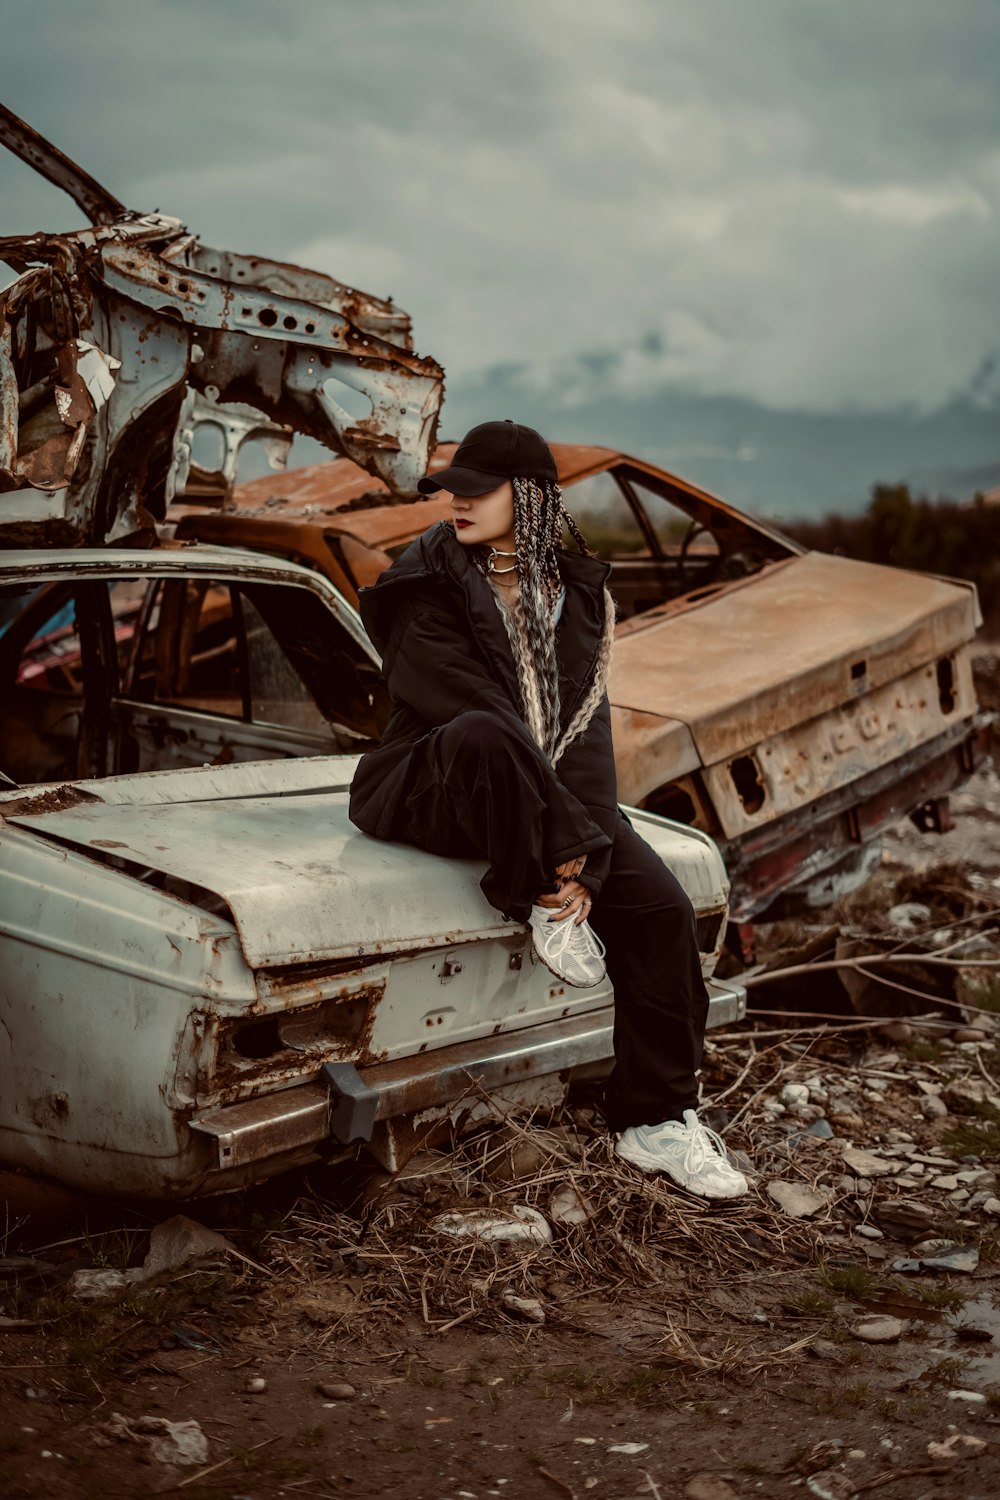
[(457, 481)]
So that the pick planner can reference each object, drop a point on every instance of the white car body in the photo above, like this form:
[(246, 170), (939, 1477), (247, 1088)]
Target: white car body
[(208, 974)]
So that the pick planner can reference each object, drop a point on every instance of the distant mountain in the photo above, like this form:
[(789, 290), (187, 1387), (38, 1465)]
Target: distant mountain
[(772, 462)]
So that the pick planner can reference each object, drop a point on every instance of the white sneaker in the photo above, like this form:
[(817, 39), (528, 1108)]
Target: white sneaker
[(570, 949), (690, 1153)]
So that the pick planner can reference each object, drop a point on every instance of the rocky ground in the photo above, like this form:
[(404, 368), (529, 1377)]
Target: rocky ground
[(339, 1333)]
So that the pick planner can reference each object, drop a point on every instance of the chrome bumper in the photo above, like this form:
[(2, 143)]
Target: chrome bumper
[(299, 1117)]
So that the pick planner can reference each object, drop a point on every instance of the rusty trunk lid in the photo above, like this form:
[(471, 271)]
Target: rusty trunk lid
[(302, 884), (803, 637)]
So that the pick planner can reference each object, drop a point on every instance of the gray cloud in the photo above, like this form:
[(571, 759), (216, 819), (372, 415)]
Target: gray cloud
[(792, 202)]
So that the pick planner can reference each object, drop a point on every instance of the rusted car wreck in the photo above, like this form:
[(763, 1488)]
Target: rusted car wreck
[(789, 703), (207, 974), (117, 340)]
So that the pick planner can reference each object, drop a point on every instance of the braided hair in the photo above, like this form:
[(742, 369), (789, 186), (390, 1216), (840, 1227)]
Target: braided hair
[(539, 517)]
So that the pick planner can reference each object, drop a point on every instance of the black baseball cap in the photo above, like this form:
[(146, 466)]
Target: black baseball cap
[(489, 454)]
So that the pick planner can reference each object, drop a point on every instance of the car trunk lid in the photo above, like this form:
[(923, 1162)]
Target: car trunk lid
[(302, 884), (805, 636)]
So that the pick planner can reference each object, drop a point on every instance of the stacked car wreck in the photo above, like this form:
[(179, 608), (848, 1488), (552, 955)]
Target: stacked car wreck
[(791, 704), (206, 974)]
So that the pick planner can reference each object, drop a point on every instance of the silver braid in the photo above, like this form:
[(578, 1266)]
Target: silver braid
[(539, 517)]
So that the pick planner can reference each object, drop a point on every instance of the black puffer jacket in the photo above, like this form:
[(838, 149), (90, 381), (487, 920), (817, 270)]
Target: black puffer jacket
[(445, 651)]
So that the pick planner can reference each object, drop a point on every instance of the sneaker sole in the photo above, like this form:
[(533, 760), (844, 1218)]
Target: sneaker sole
[(575, 983)]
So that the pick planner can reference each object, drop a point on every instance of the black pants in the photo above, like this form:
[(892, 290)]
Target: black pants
[(477, 793)]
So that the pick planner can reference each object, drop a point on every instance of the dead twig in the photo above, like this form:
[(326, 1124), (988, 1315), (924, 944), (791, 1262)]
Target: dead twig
[(880, 959), (559, 1484), (891, 1475), (852, 1024), (755, 1057), (462, 1318), (988, 1076), (212, 1468)]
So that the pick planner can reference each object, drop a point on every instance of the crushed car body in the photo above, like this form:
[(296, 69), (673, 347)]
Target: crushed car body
[(790, 703), (207, 974), (119, 341)]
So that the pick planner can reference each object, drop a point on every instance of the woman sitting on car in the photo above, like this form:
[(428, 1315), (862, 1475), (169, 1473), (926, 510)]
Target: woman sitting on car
[(496, 644)]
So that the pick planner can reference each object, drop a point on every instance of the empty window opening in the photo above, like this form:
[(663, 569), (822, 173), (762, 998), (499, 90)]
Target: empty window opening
[(946, 684), (746, 779), (858, 670)]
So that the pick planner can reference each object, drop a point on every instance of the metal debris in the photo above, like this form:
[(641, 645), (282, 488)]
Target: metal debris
[(129, 338)]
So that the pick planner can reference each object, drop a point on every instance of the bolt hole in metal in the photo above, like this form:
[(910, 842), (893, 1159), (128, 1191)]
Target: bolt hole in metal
[(746, 779), (267, 317)]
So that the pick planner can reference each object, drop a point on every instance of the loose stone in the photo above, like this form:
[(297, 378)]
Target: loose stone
[(794, 1093), (528, 1308), (932, 1107), (897, 1031), (880, 1330), (794, 1199), (866, 1163)]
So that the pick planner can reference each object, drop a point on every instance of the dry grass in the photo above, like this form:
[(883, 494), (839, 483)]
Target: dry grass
[(636, 1249)]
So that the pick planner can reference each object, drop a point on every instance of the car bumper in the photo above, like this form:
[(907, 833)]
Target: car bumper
[(295, 1122), (797, 849)]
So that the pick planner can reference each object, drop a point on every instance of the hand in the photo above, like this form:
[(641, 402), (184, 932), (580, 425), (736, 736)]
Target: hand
[(572, 899)]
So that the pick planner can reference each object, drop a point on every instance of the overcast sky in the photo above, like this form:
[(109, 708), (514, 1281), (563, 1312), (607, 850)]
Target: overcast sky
[(793, 201)]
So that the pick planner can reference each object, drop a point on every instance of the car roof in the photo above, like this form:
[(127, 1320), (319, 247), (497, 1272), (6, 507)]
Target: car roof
[(326, 496), (337, 496)]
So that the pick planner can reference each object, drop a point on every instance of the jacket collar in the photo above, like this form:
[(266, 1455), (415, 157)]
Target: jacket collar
[(438, 554)]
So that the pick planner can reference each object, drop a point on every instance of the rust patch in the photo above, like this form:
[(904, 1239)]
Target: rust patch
[(266, 1046), (53, 800)]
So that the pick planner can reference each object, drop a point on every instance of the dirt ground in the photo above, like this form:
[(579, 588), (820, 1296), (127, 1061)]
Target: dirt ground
[(687, 1348)]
